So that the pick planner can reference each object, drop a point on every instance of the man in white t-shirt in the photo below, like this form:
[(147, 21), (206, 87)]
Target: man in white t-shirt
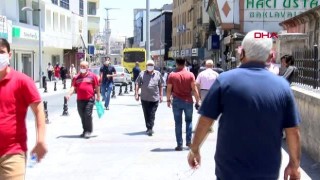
[(205, 79)]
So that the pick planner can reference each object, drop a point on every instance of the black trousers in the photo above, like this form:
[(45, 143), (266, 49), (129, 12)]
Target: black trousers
[(85, 108), (149, 111), (50, 73)]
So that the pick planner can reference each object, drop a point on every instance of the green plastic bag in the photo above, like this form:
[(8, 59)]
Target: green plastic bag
[(100, 109)]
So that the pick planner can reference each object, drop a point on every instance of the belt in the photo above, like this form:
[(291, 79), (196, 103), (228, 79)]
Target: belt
[(204, 89)]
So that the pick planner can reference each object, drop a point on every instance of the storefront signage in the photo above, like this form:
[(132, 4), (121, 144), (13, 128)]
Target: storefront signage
[(276, 10), (24, 33)]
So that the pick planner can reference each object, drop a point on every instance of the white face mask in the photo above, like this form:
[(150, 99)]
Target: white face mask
[(4, 61), (150, 68), (83, 70)]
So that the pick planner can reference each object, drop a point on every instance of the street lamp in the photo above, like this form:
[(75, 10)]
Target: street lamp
[(26, 8)]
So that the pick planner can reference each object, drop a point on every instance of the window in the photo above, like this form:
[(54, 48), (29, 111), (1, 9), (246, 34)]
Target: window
[(81, 7), (35, 14), (22, 14), (64, 4), (54, 2), (134, 57), (63, 23), (68, 24), (92, 9)]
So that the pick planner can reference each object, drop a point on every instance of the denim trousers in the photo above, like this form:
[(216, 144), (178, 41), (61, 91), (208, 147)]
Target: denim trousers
[(178, 107), (106, 89)]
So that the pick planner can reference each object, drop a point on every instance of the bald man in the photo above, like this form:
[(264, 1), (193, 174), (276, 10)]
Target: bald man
[(86, 85), (205, 79)]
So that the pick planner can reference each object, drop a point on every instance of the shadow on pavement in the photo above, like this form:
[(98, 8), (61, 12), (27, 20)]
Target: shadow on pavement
[(313, 170), (73, 136), (136, 133), (126, 104), (163, 150)]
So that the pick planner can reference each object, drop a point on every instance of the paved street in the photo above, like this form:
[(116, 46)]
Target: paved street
[(119, 148)]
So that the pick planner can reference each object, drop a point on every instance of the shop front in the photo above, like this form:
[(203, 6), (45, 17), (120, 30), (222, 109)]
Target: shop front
[(24, 50)]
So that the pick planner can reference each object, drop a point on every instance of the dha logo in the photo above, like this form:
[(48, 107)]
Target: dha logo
[(259, 35)]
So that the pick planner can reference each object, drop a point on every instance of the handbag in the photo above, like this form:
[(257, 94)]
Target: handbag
[(100, 109)]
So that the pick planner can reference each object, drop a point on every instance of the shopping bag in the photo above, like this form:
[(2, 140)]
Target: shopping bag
[(100, 109)]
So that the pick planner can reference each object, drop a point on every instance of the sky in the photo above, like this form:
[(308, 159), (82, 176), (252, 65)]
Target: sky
[(122, 25)]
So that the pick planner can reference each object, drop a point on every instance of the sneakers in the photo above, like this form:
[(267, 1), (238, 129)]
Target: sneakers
[(188, 145), (149, 132), (107, 108), (87, 135), (178, 148), (82, 135)]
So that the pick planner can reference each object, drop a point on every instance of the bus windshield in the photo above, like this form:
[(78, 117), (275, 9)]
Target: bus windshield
[(134, 57)]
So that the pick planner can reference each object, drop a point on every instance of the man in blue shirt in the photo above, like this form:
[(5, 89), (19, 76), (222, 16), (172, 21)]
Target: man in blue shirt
[(107, 72), (255, 106)]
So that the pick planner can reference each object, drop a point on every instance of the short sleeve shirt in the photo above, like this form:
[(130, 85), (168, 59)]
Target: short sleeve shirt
[(17, 91), (181, 81), (255, 106), (149, 84), (85, 85), (107, 70), (136, 71), (206, 78)]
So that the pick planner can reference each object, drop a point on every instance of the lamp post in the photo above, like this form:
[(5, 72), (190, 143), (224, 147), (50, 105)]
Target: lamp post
[(26, 8)]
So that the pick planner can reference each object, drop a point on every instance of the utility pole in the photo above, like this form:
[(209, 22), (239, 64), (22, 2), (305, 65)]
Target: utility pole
[(148, 29), (107, 30)]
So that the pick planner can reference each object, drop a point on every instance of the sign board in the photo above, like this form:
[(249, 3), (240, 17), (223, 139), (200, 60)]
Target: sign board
[(24, 33), (275, 10)]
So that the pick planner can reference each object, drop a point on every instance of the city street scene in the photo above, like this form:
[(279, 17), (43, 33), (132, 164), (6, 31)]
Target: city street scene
[(159, 89)]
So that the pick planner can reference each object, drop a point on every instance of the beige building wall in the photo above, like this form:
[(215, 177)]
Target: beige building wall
[(186, 13)]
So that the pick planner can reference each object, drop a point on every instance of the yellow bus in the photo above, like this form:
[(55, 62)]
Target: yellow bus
[(132, 55)]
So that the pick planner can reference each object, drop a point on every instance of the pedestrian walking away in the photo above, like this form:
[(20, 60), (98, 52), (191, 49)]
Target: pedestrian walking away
[(151, 83), (254, 106), (180, 87), (50, 71), (18, 92), (136, 71), (86, 85), (107, 72), (205, 79)]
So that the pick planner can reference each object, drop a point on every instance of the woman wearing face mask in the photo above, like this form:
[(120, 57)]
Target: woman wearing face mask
[(86, 85), (151, 83), (18, 92)]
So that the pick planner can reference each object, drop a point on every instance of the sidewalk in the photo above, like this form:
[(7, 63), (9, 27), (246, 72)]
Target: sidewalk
[(119, 148), (50, 88)]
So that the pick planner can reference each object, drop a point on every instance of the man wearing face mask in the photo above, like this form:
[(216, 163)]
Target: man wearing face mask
[(18, 92), (107, 72), (86, 84), (150, 82)]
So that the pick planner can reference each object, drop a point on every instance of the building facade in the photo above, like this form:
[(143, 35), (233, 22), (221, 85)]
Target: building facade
[(140, 28), (160, 37), (63, 27), (233, 19), (93, 26)]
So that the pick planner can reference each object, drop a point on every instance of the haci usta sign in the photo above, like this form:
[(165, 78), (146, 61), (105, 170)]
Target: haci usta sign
[(276, 10)]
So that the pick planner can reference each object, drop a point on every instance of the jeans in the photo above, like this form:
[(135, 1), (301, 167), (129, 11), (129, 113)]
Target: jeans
[(149, 110), (106, 89), (178, 107), (85, 108)]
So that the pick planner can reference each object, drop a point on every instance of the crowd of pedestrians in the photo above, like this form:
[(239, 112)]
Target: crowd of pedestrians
[(252, 106)]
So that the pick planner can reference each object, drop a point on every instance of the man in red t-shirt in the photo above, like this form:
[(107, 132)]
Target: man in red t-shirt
[(181, 85), (18, 92), (86, 84)]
